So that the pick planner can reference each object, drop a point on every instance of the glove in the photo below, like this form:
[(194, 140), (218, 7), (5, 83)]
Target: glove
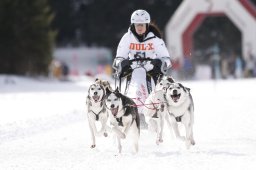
[(166, 64), (122, 66), (148, 66), (117, 64), (125, 68)]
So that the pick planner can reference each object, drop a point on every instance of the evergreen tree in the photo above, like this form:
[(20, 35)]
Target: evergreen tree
[(64, 21), (26, 39)]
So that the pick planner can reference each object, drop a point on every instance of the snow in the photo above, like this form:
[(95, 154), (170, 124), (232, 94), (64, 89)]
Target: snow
[(43, 126)]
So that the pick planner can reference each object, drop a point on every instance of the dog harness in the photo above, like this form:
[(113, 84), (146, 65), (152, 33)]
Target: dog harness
[(102, 110), (155, 115), (120, 122), (178, 118), (97, 115)]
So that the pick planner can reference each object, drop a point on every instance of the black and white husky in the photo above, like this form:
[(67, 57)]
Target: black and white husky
[(180, 107), (124, 117), (155, 108), (164, 82), (96, 110)]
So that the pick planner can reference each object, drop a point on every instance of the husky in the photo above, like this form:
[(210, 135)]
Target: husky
[(103, 83), (180, 107), (124, 117), (164, 82), (96, 110), (155, 108)]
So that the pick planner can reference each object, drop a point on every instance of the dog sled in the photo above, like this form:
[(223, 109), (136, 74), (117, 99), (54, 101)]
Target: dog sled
[(136, 82)]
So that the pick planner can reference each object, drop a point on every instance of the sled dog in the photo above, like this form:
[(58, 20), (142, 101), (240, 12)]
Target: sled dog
[(155, 108), (96, 110), (124, 117), (164, 82), (103, 83), (180, 108)]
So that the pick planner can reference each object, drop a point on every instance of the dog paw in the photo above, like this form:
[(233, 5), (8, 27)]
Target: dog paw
[(105, 134), (192, 142), (93, 146), (158, 141)]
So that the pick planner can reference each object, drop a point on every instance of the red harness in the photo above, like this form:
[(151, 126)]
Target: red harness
[(145, 105)]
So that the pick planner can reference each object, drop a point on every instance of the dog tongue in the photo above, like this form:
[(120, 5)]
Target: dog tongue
[(96, 98), (175, 97), (114, 111)]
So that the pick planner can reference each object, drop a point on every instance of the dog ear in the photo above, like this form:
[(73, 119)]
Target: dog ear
[(186, 89), (109, 88), (182, 86), (108, 91), (117, 90), (170, 79)]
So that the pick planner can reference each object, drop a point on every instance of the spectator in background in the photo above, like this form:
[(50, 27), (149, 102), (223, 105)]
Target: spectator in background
[(231, 65), (224, 67), (215, 65), (55, 69), (64, 70), (250, 66), (188, 68), (238, 67)]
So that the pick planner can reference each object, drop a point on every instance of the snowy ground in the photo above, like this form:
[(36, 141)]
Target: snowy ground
[(43, 127)]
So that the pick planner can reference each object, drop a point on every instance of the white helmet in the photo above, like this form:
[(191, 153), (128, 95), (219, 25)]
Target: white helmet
[(140, 16)]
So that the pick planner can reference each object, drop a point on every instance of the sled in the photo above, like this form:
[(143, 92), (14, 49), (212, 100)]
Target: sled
[(138, 84)]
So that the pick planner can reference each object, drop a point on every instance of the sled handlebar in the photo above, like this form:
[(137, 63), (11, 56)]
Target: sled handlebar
[(141, 59)]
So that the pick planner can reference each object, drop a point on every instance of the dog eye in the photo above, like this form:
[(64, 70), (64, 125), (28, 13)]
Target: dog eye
[(178, 87), (161, 84), (108, 100), (92, 88), (115, 99), (99, 88)]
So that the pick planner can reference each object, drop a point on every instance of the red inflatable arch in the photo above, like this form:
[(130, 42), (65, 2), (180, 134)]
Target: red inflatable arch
[(190, 15)]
